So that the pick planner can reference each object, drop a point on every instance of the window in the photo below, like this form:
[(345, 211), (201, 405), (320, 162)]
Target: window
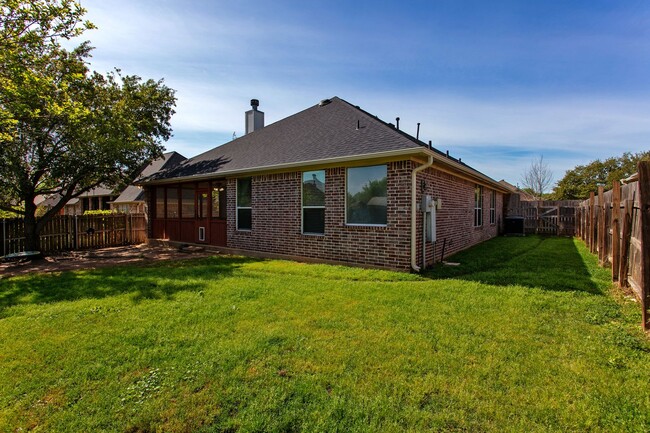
[(187, 202), (160, 202), (478, 206), (493, 207), (219, 202), (244, 204), (172, 202), (366, 195), (313, 202)]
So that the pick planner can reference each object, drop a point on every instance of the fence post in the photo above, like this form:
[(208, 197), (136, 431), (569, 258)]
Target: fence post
[(644, 205), (602, 241), (590, 222), (625, 243), (4, 237), (616, 229), (75, 235)]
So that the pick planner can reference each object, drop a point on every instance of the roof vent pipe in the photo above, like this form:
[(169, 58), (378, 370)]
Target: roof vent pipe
[(397, 121), (417, 134), (254, 118)]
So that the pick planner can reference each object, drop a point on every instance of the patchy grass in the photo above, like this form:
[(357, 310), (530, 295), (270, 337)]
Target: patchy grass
[(525, 335)]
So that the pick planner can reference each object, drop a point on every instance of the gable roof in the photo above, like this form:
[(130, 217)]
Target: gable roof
[(133, 193), (329, 132)]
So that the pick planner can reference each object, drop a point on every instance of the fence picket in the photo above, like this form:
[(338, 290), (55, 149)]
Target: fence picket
[(71, 232)]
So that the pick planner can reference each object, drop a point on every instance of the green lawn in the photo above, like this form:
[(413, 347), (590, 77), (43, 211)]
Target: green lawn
[(525, 335)]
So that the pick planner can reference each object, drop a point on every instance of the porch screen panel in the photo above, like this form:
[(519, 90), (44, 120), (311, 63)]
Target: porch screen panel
[(172, 202), (160, 202), (187, 210)]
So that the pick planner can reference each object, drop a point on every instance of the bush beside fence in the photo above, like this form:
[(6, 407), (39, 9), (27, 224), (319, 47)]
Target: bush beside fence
[(72, 232)]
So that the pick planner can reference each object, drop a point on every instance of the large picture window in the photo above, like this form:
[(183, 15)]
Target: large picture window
[(366, 195), (478, 206), (244, 204), (493, 207), (313, 202)]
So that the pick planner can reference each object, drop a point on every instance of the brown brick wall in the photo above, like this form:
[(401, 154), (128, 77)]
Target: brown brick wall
[(276, 203), (455, 220)]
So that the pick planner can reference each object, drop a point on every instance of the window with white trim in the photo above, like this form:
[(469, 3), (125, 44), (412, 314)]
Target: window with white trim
[(366, 196), (244, 204), (493, 207), (478, 206), (313, 202)]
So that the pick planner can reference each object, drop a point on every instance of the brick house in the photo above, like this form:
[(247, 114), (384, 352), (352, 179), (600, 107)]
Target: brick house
[(333, 184)]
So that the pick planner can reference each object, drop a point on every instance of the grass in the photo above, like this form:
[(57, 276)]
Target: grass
[(525, 335)]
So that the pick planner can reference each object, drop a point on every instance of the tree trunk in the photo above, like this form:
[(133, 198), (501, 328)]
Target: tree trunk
[(32, 228)]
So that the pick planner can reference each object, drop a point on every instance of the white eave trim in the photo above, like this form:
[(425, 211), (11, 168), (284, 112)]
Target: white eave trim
[(343, 159), (291, 165)]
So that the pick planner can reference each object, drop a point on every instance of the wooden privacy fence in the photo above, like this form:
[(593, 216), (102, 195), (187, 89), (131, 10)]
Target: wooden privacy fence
[(72, 232), (616, 226), (544, 217)]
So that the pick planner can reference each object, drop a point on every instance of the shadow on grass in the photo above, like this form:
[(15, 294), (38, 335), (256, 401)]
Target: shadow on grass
[(549, 263), (159, 281)]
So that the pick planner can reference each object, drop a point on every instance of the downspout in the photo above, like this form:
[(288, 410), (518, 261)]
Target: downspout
[(414, 211)]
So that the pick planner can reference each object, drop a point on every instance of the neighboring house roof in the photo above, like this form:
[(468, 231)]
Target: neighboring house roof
[(95, 192), (516, 190), (132, 193), (330, 132)]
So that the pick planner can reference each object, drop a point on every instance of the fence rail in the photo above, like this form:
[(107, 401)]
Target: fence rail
[(616, 226), (544, 217), (72, 232)]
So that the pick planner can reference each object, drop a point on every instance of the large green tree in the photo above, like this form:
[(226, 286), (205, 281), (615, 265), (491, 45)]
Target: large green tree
[(63, 128), (578, 182)]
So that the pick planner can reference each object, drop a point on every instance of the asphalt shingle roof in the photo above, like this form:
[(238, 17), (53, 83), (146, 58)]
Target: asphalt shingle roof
[(133, 193), (317, 133)]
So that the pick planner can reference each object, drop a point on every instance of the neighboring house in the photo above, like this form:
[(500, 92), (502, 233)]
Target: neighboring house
[(95, 199), (523, 195), (131, 200), (332, 183)]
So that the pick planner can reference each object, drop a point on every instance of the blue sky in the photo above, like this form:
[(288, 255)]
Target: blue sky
[(495, 83)]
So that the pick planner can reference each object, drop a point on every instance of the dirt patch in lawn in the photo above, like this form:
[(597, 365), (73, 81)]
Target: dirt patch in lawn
[(96, 258)]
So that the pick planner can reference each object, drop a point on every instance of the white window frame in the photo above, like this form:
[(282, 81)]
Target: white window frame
[(237, 207), (303, 207), (345, 199), (493, 207), (478, 206)]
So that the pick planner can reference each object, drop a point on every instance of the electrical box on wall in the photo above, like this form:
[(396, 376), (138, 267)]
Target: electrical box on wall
[(427, 203), (428, 206)]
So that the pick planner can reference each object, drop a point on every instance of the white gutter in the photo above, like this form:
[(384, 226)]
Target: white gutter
[(414, 210)]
